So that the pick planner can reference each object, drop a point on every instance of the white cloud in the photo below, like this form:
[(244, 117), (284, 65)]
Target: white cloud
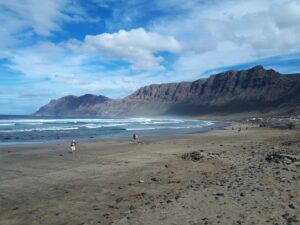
[(45, 59), (52, 68), (128, 79), (25, 21), (256, 29), (43, 18), (77, 82), (279, 32), (191, 64), (136, 46)]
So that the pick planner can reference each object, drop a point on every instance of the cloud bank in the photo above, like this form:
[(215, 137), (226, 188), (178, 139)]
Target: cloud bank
[(136, 46)]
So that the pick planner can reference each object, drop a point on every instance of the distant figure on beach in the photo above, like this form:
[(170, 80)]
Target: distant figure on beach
[(134, 137), (73, 146)]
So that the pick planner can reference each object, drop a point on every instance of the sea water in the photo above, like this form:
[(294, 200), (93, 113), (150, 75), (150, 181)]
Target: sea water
[(20, 129)]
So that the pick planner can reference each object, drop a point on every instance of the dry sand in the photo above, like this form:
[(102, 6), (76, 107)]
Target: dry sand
[(120, 182)]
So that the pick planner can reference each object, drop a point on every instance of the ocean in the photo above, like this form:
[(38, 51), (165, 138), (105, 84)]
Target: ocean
[(29, 129)]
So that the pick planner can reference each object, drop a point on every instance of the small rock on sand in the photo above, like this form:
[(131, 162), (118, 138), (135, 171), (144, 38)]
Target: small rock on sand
[(194, 156)]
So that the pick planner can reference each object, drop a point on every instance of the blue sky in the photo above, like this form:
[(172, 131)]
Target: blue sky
[(53, 48)]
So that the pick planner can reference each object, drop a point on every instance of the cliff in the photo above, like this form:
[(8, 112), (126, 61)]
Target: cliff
[(256, 89)]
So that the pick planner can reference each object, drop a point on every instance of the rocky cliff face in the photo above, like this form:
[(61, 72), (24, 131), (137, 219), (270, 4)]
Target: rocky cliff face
[(255, 89), (231, 91)]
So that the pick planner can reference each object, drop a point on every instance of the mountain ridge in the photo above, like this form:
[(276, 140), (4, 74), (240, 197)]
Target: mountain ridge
[(72, 105), (255, 89)]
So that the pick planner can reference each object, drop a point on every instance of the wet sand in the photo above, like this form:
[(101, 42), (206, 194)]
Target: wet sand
[(120, 182)]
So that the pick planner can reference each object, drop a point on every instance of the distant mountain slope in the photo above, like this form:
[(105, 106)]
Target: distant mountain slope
[(256, 89), (73, 105)]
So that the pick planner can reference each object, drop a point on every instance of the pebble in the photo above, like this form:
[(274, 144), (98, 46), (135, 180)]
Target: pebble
[(293, 206), (118, 200), (132, 207), (220, 194)]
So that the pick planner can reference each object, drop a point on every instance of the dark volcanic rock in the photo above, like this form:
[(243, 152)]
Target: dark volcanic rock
[(281, 158), (256, 89), (194, 156), (231, 91)]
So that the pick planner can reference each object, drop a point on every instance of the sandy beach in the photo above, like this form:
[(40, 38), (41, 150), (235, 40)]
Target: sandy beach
[(231, 177)]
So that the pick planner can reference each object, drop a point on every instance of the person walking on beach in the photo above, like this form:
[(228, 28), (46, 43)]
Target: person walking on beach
[(73, 146), (134, 137)]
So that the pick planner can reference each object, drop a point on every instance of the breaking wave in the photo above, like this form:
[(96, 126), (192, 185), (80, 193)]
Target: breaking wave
[(32, 128)]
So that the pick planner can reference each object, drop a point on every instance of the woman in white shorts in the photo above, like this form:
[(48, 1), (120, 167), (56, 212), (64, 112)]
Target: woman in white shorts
[(73, 146)]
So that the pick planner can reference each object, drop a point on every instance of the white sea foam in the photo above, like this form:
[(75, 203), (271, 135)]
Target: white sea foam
[(39, 129), (88, 120), (93, 126), (27, 123), (65, 124), (7, 124), (158, 128), (141, 128), (163, 122), (209, 123)]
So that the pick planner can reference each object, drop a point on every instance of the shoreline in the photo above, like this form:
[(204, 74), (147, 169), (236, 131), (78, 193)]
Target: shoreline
[(64, 143), (215, 177), (148, 135)]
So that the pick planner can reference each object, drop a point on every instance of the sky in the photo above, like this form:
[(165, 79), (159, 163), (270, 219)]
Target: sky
[(53, 48)]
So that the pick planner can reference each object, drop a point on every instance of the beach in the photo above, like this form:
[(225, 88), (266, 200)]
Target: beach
[(222, 176)]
